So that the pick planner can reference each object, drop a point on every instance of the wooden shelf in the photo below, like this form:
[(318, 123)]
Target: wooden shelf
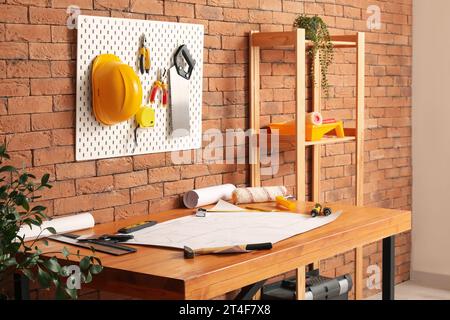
[(287, 142), (296, 39), (336, 44), (329, 140), (287, 38), (286, 139)]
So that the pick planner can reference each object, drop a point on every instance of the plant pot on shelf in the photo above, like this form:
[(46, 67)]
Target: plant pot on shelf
[(316, 31)]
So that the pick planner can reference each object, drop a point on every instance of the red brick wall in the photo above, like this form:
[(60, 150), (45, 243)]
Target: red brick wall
[(37, 100)]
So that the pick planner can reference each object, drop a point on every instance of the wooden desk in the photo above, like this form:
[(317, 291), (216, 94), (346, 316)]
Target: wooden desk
[(159, 273)]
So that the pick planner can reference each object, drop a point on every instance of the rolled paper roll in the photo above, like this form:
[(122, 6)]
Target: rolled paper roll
[(314, 118), (204, 196), (61, 225), (254, 195)]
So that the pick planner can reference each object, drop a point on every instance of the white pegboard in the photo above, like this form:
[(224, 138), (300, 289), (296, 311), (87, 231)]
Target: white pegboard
[(98, 35)]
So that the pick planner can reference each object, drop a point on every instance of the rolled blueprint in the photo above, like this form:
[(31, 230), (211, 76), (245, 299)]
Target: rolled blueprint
[(204, 196), (253, 195), (314, 118), (61, 225)]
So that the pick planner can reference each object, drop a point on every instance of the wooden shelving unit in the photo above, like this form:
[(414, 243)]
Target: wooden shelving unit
[(296, 39)]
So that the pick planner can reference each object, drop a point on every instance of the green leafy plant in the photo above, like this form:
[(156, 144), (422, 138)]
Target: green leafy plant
[(317, 31), (18, 191)]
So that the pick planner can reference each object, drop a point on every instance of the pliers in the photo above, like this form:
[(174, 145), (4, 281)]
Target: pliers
[(160, 84), (144, 56)]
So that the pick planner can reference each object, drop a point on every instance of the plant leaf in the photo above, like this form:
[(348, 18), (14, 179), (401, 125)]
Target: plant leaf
[(3, 153), (86, 278), (95, 269), (38, 208), (35, 222), (65, 252), (72, 293), (85, 263), (45, 179), (51, 230), (60, 293), (52, 265), (8, 169), (64, 272), (26, 205), (23, 178), (10, 262), (14, 247), (44, 278), (28, 273)]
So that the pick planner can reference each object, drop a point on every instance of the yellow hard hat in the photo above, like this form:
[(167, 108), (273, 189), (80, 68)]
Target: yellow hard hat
[(116, 90)]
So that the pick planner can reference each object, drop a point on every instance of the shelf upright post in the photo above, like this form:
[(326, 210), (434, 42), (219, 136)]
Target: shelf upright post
[(317, 100), (300, 110), (316, 156), (254, 85), (360, 96)]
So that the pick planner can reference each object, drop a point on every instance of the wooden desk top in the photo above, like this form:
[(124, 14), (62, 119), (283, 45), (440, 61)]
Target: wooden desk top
[(161, 273)]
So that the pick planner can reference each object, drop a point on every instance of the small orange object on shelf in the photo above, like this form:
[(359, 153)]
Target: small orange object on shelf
[(312, 132), (316, 133), (284, 128)]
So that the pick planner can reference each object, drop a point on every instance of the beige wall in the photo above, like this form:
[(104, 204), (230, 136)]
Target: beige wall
[(431, 140)]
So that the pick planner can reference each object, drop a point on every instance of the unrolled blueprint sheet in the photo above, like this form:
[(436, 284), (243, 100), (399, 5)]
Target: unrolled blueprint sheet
[(220, 229)]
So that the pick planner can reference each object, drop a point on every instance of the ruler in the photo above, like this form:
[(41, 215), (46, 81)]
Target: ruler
[(98, 245)]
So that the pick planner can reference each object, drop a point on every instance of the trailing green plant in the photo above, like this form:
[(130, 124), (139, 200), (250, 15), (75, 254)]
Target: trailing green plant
[(316, 30), (18, 191)]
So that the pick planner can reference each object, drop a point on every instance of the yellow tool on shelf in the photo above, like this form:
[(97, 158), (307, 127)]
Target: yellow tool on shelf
[(312, 132), (286, 202), (316, 133), (284, 128)]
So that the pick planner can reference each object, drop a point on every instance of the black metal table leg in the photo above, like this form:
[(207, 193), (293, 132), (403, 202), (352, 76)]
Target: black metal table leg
[(248, 292), (388, 268), (21, 287)]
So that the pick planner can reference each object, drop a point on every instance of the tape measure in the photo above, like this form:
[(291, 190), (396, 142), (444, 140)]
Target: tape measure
[(146, 117), (137, 226)]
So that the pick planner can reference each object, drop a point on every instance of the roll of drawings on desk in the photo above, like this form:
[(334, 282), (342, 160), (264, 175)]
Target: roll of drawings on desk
[(61, 225), (253, 195), (204, 196)]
